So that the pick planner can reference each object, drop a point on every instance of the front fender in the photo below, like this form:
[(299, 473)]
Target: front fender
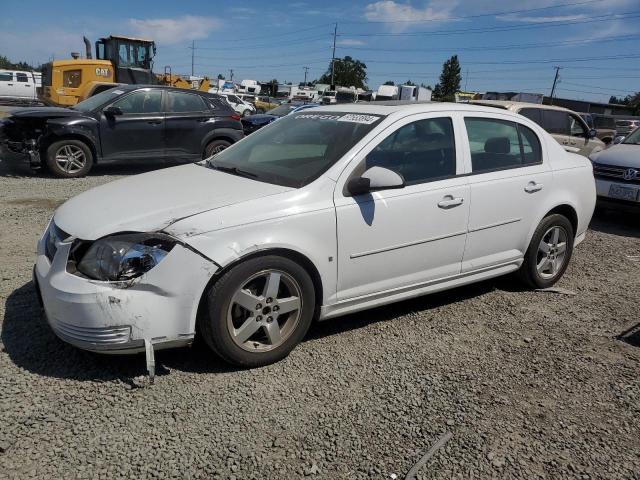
[(83, 129)]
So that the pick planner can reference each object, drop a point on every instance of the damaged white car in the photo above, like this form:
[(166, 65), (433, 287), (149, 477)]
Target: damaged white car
[(325, 212)]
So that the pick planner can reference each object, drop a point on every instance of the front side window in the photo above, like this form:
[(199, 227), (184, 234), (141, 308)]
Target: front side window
[(500, 144), (141, 101), (420, 151), (72, 78), (555, 121), (577, 128), (179, 102), (6, 77), (296, 149)]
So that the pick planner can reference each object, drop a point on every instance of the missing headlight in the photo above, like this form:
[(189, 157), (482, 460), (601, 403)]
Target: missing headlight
[(119, 257)]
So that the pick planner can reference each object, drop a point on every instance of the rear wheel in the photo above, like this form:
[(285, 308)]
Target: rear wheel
[(549, 252), (69, 158), (246, 113), (258, 311), (215, 146)]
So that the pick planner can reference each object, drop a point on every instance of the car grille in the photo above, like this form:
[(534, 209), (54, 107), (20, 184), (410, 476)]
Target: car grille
[(613, 172), (95, 335)]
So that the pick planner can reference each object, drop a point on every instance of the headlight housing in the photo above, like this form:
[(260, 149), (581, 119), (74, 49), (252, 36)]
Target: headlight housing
[(124, 256)]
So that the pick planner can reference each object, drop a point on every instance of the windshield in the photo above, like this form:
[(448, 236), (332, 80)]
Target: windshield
[(297, 149), (94, 102), (633, 138), (282, 110)]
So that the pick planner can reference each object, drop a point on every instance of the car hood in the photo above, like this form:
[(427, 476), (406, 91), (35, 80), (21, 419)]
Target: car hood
[(622, 155), (259, 118), (153, 201), (44, 112)]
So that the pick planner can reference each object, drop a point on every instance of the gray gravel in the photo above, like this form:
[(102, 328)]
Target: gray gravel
[(531, 384)]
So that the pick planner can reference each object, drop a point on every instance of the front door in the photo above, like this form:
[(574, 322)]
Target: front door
[(403, 238), (509, 180), (139, 131)]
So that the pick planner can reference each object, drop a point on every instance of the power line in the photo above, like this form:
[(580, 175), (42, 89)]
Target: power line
[(596, 87), (494, 14), (550, 23), (277, 44), (277, 35), (516, 62)]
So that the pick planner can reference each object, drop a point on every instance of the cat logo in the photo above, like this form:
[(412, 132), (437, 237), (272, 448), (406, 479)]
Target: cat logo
[(103, 72)]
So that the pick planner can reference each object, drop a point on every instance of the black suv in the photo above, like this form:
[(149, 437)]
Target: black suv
[(124, 123)]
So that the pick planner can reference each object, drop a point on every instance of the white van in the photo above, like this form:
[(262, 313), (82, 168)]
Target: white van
[(19, 85)]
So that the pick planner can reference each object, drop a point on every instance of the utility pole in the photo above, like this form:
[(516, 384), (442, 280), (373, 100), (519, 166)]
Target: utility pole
[(193, 56), (306, 70), (466, 79), (333, 55), (555, 81), (231, 74)]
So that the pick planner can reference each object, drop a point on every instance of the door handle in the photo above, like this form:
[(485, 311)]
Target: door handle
[(448, 201), (154, 122), (533, 187), (204, 120)]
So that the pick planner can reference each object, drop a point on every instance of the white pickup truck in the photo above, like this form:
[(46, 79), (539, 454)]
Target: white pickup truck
[(19, 86)]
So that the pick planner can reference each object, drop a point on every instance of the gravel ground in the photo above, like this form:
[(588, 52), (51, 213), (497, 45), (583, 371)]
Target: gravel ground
[(530, 384)]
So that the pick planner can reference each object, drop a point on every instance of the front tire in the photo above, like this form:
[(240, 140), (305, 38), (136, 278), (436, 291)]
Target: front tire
[(549, 252), (258, 311), (69, 158)]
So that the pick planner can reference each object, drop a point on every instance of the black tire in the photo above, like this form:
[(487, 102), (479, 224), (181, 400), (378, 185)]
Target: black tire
[(74, 171), (528, 272), (246, 113), (215, 146), (213, 323)]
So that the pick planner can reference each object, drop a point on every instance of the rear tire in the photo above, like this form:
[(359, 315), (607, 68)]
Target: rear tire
[(215, 146), (258, 311), (549, 252), (69, 158)]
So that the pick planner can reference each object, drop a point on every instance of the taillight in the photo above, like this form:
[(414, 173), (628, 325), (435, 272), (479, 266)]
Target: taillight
[(235, 116)]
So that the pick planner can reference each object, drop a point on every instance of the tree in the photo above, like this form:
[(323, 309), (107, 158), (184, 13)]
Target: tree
[(631, 100), (220, 76), (449, 83), (389, 82), (9, 65), (349, 72), (410, 83)]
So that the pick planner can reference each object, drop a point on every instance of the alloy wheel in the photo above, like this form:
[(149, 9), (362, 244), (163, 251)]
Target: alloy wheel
[(552, 252), (71, 159), (264, 311)]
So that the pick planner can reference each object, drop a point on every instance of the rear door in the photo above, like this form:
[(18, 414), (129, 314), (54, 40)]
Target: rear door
[(25, 86), (188, 120), (139, 131)]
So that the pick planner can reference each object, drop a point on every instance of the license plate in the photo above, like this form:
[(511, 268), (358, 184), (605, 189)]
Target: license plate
[(623, 193)]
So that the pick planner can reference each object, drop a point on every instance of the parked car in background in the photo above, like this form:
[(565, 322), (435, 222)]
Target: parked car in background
[(129, 122), (265, 103), (605, 125), (326, 212), (19, 86), (625, 126), (254, 122), (566, 126), (239, 105), (617, 172)]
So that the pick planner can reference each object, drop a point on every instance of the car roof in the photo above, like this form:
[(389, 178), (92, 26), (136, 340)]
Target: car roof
[(128, 88), (383, 108), (508, 104)]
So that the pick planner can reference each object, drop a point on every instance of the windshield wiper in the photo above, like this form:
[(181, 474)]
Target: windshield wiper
[(232, 170)]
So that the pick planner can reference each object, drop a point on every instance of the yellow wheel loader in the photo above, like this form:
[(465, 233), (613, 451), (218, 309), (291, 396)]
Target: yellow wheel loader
[(118, 60)]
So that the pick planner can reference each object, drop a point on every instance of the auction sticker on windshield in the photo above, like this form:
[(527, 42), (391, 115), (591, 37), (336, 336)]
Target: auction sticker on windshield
[(349, 117)]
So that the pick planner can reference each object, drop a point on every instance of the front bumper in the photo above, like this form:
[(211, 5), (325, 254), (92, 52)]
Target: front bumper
[(108, 317)]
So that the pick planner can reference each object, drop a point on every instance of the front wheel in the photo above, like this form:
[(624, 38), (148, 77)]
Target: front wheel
[(549, 252), (69, 158), (258, 311)]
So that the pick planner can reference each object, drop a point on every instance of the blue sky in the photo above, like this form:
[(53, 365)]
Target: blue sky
[(502, 45)]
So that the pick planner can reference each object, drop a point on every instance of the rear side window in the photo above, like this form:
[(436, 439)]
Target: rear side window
[(533, 114), (421, 151), (179, 102), (22, 77), (6, 77), (604, 122), (557, 122), (499, 144)]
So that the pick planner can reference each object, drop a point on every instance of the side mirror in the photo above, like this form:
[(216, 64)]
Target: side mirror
[(375, 178), (112, 111), (593, 133), (618, 139)]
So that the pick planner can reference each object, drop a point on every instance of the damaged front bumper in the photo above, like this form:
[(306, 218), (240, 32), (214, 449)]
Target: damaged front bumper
[(156, 309)]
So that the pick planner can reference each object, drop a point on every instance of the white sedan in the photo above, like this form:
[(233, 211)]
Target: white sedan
[(328, 211)]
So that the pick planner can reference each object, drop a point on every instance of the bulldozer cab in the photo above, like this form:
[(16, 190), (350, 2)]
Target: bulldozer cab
[(132, 58)]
